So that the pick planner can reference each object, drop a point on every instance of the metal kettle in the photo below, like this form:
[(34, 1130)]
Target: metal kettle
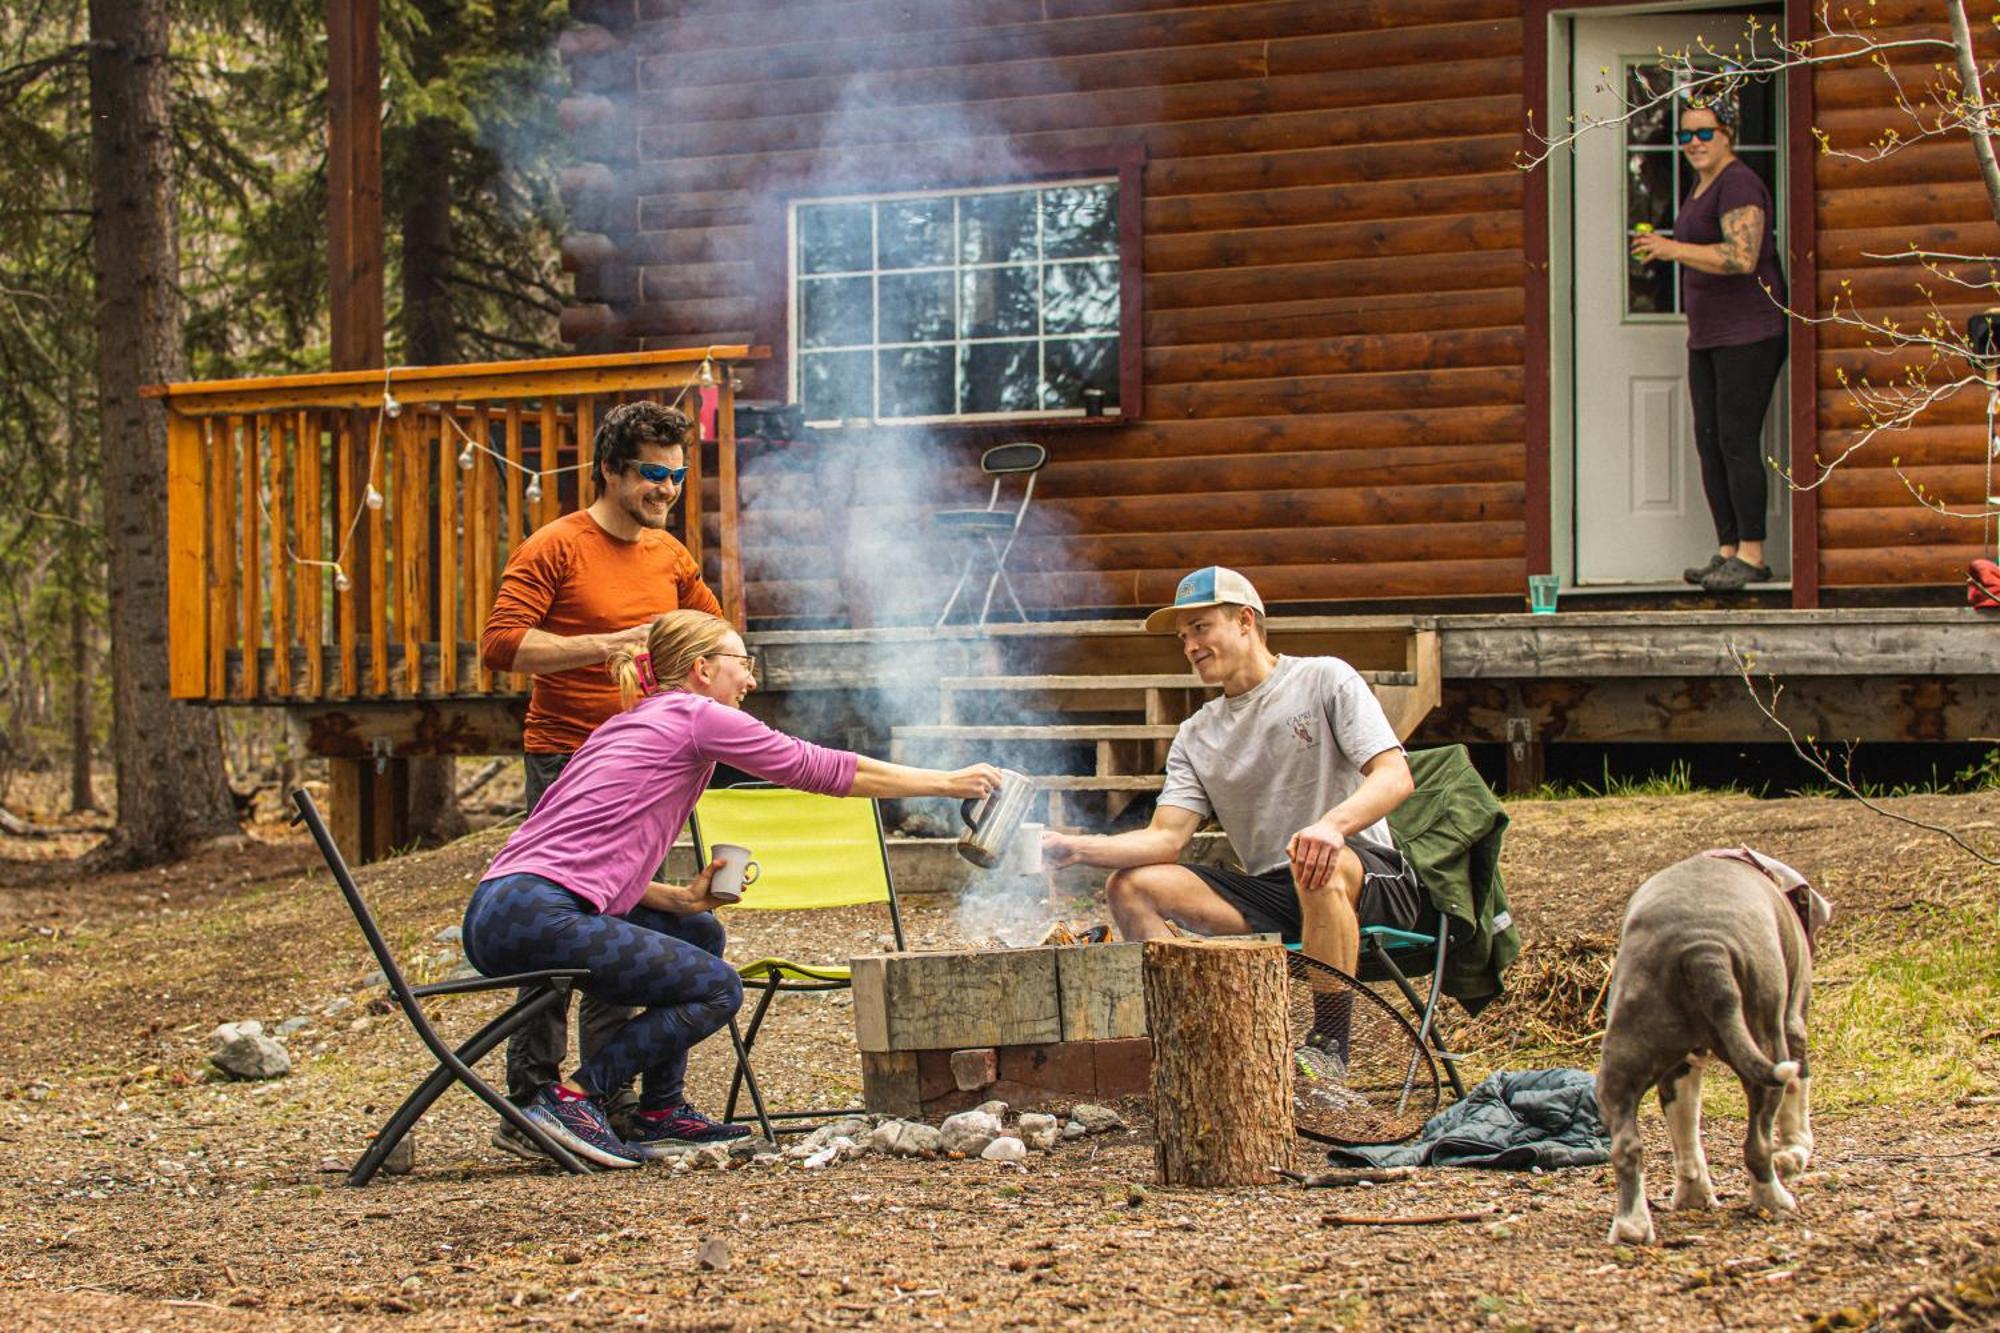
[(991, 821)]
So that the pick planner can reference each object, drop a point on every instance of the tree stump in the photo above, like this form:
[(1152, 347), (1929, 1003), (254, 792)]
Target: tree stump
[(1222, 1060)]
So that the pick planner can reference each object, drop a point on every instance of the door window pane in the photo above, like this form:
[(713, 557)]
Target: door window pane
[(1080, 298), (998, 302), (915, 233), (996, 228), (837, 312), (1076, 364), (1079, 220)]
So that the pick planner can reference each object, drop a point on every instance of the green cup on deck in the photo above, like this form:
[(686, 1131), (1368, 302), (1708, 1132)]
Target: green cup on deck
[(1542, 589)]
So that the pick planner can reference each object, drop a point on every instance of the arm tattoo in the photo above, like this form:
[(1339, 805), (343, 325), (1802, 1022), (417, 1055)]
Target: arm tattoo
[(1742, 238)]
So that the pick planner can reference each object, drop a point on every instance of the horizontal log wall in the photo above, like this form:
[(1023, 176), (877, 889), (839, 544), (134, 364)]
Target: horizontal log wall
[(1872, 528), (1333, 304)]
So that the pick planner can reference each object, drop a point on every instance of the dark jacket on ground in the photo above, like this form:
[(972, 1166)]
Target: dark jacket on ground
[(1531, 1118), (1451, 828)]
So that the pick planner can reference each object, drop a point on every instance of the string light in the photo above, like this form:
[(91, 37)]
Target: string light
[(372, 499)]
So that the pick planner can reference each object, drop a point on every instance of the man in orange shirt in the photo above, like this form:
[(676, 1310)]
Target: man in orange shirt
[(572, 593)]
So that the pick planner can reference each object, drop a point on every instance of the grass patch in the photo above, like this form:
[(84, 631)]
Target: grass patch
[(1676, 780)]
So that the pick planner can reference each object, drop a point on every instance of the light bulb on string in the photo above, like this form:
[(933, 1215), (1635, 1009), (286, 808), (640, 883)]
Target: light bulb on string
[(390, 407), (372, 497), (534, 491), (707, 372), (341, 583), (465, 458)]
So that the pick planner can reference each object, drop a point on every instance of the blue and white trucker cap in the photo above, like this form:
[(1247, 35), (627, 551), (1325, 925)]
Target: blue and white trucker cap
[(1209, 586)]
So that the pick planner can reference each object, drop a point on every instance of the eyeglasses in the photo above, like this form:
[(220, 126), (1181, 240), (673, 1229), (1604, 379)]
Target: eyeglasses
[(659, 472), (1685, 137), (749, 662)]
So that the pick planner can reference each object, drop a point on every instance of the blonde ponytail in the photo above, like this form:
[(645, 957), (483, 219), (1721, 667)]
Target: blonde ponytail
[(677, 640)]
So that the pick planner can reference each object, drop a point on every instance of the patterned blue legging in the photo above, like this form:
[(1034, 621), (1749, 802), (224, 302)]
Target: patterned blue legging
[(656, 961)]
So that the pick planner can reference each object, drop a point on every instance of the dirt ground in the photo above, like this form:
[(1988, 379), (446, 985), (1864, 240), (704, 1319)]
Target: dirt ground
[(143, 1194)]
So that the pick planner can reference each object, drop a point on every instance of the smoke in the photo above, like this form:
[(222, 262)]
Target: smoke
[(1011, 908)]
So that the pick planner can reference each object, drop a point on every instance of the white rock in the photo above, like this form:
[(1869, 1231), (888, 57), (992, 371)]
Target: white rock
[(291, 1025), (1096, 1119), (712, 1156), (449, 935), (824, 1157), (851, 1127), (1039, 1131), (252, 1055), (995, 1108), (1073, 1130), (968, 1132), (1007, 1148), (903, 1138), (228, 1032)]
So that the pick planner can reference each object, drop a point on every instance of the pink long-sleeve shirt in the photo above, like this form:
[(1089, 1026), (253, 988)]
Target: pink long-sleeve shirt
[(605, 825)]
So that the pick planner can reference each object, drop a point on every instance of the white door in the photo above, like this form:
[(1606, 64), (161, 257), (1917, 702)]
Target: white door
[(1640, 516)]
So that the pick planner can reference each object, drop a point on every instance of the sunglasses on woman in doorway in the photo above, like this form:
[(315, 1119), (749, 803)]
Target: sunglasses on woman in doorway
[(1685, 137), (659, 472)]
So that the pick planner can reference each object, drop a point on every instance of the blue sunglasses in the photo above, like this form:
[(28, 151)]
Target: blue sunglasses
[(1685, 137), (659, 472)]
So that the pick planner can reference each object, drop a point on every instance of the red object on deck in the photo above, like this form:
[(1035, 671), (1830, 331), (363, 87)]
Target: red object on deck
[(1982, 585)]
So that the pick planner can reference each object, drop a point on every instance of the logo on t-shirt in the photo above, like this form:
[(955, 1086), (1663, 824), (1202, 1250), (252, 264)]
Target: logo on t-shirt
[(1302, 727)]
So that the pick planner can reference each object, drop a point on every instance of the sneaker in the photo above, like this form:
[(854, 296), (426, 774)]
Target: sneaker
[(1321, 1077), (682, 1125), (509, 1139), (578, 1124), (1696, 573), (1733, 575)]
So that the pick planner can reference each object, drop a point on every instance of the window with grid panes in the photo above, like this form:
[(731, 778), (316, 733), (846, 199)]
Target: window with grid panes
[(961, 305), (1658, 179)]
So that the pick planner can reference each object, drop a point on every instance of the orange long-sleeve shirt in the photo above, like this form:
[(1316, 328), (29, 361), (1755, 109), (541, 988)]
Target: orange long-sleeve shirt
[(572, 577)]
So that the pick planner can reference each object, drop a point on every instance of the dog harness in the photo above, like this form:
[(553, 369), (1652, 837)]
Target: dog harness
[(1799, 895)]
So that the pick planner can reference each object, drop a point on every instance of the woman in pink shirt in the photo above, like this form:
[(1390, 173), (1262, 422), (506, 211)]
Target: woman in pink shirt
[(574, 886)]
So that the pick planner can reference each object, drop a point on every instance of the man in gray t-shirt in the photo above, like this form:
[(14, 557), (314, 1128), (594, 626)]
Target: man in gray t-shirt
[(1298, 764)]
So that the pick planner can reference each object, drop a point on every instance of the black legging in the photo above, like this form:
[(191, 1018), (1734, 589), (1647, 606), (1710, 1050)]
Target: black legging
[(1730, 388)]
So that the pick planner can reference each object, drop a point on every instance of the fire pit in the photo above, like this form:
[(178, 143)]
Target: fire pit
[(941, 1032)]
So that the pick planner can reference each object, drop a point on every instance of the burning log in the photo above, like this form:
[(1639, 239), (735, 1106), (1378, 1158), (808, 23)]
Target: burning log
[(1222, 1060)]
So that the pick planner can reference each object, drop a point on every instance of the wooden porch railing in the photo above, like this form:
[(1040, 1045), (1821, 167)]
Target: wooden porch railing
[(341, 536)]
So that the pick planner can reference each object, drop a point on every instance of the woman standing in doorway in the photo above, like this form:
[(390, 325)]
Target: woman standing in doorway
[(1733, 292)]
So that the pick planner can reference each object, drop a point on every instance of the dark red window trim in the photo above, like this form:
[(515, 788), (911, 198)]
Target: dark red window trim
[(900, 171)]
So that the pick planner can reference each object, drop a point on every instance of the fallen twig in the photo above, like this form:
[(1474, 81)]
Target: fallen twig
[(482, 777), (1404, 1220), (1336, 1179)]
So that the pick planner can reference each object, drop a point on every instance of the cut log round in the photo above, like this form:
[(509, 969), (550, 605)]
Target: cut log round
[(1222, 1074)]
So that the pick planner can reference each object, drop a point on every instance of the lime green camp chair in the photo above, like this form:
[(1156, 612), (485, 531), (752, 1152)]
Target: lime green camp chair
[(811, 852)]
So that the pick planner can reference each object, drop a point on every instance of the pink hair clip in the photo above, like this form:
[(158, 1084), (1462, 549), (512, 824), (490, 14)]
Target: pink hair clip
[(643, 663)]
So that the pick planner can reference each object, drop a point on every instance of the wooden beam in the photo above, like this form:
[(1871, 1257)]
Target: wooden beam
[(410, 728), (187, 553), (354, 184)]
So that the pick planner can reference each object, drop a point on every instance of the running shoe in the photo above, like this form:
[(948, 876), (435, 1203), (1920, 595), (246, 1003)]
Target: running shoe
[(1321, 1077), (578, 1124), (682, 1125), (511, 1140)]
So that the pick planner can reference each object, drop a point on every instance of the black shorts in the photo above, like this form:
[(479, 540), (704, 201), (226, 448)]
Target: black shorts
[(1390, 893)]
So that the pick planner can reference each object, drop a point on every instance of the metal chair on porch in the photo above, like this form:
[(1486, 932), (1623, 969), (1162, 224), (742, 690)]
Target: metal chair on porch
[(996, 525), (543, 990), (813, 852)]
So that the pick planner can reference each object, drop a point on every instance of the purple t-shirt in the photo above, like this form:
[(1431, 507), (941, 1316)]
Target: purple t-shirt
[(604, 827), (1731, 309)]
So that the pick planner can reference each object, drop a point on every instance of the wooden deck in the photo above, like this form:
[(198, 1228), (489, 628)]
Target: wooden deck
[(1088, 706)]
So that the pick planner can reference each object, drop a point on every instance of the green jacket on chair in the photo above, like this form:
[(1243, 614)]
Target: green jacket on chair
[(1451, 828)]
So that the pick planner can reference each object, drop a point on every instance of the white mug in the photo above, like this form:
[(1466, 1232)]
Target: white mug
[(1024, 853), (736, 871)]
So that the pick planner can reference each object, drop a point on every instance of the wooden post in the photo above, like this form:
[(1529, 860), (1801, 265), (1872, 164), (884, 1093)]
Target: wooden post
[(1222, 1060)]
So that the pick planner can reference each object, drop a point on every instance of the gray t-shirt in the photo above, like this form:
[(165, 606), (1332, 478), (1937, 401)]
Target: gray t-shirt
[(1271, 761)]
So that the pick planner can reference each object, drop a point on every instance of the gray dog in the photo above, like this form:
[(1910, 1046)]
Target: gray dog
[(1715, 958)]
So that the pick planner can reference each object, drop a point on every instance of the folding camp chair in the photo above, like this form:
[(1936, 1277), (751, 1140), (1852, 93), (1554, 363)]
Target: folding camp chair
[(994, 523), (544, 989), (812, 852), (1384, 953)]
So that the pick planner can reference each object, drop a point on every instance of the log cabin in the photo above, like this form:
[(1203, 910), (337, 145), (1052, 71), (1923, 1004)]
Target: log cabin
[(1346, 343), (1268, 282)]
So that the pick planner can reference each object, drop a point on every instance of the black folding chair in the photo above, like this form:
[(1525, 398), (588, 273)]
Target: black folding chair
[(998, 525), (544, 990)]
